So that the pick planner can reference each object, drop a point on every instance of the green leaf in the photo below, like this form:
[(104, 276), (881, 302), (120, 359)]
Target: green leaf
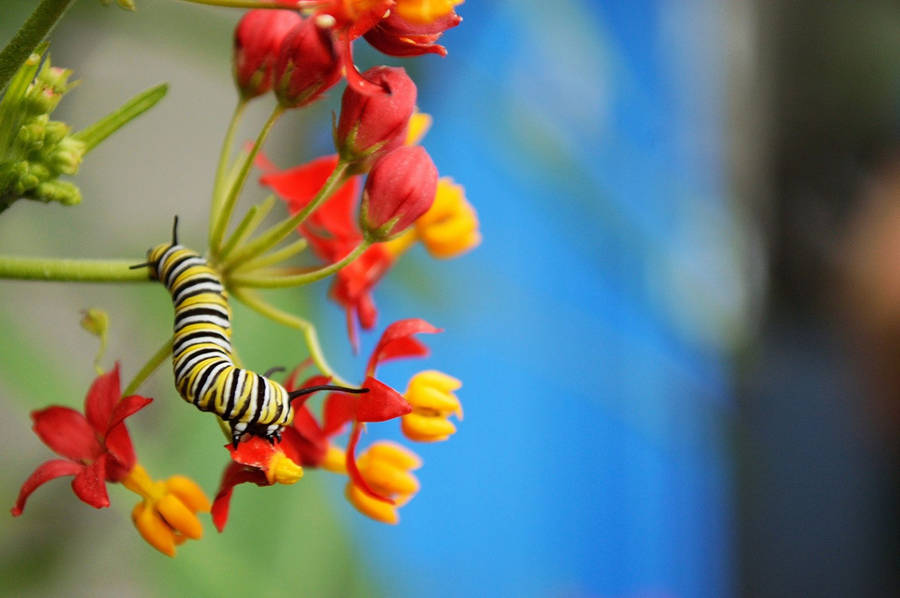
[(113, 121)]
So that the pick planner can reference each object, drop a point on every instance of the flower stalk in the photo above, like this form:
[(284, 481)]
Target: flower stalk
[(70, 270)]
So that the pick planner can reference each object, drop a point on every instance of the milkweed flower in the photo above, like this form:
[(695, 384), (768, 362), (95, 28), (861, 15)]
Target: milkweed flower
[(370, 125), (450, 226), (308, 64), (95, 445), (399, 189), (431, 395), (257, 40), (98, 449), (386, 468), (411, 30), (167, 514)]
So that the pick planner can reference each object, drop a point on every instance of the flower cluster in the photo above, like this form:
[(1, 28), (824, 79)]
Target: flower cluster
[(359, 210), (34, 150), (378, 479), (97, 450)]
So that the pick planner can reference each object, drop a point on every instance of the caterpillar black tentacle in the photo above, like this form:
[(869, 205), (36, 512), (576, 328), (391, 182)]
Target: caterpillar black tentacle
[(202, 358)]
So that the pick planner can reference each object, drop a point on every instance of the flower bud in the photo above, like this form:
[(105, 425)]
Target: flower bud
[(308, 64), (373, 124), (257, 39), (399, 189), (67, 155)]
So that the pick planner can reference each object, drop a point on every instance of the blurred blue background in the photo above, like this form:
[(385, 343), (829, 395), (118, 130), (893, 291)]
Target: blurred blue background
[(592, 328)]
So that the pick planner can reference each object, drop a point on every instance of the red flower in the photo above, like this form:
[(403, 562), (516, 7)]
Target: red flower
[(399, 189), (96, 445), (382, 402), (396, 36), (370, 125), (305, 442), (257, 39), (333, 232), (308, 64), (411, 27), (262, 463)]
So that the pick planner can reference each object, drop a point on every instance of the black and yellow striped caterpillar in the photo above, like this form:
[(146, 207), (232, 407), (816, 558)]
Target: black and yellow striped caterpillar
[(205, 374)]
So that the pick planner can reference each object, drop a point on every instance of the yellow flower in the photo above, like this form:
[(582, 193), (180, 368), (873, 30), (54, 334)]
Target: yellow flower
[(167, 515), (424, 11), (431, 395), (450, 227), (386, 467)]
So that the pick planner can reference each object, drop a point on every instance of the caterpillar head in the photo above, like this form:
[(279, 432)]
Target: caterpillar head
[(154, 254)]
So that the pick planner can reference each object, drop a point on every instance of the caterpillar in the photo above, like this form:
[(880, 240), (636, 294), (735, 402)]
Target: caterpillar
[(202, 358)]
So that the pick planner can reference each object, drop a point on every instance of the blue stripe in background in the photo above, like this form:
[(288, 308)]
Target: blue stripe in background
[(592, 459)]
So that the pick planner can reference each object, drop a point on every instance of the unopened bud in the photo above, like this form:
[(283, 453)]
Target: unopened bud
[(400, 188), (95, 321), (371, 125), (257, 39), (63, 192), (308, 64), (66, 157), (55, 131)]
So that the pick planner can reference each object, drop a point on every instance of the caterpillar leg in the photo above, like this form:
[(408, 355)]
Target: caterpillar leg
[(237, 431), (271, 432)]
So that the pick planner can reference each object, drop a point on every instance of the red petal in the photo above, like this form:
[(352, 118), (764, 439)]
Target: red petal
[(340, 408), (119, 447), (45, 472), (352, 333), (395, 342), (101, 400), (381, 403), (302, 449), (67, 433), (369, 18), (127, 407), (352, 469), (298, 185), (354, 77), (366, 311), (90, 484), (233, 475), (254, 452), (291, 380), (262, 162)]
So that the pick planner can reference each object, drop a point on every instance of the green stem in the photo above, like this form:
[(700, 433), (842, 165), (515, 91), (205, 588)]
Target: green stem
[(251, 300), (36, 268), (275, 282), (247, 226), (154, 362), (275, 257), (224, 215), (20, 47), (274, 235), (222, 168)]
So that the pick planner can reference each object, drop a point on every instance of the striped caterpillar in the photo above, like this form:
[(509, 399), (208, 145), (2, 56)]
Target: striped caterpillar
[(205, 374)]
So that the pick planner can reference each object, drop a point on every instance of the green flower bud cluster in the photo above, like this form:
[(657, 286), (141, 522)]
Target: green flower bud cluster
[(34, 150)]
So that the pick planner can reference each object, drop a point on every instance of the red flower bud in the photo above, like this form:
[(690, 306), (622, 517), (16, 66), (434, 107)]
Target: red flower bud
[(256, 41), (395, 36), (399, 189), (371, 125), (308, 64)]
